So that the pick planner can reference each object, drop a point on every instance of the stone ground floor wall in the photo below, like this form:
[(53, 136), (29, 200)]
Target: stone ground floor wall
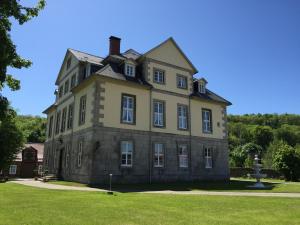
[(102, 156)]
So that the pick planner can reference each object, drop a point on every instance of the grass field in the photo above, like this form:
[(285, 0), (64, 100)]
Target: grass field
[(26, 205), (235, 184)]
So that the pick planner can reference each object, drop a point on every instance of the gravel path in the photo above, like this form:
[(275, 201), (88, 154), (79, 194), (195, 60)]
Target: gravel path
[(39, 184)]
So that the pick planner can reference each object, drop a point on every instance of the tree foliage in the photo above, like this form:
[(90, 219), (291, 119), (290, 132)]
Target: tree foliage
[(8, 53), (287, 161), (267, 131), (33, 128), (11, 138)]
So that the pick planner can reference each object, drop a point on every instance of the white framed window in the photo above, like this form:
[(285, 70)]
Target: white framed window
[(67, 155), (57, 124), (183, 156), (159, 111), (66, 87), (54, 159), (181, 81), (201, 87), (126, 153), (61, 91), (73, 80), (12, 169), (63, 120), (82, 109), (40, 169), (208, 157), (158, 155), (182, 117), (128, 108), (129, 70), (70, 116), (159, 76), (206, 121), (79, 154)]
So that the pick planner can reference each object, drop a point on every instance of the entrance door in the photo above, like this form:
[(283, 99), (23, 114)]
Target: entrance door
[(60, 163)]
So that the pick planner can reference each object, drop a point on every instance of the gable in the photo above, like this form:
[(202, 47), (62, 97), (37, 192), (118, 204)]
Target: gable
[(169, 52), (63, 69)]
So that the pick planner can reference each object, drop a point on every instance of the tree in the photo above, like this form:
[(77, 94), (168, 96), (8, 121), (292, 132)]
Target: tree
[(33, 128), (11, 138), (246, 152), (8, 53), (288, 133), (262, 135), (287, 161)]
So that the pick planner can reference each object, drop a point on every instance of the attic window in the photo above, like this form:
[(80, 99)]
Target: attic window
[(68, 63), (201, 87), (129, 70)]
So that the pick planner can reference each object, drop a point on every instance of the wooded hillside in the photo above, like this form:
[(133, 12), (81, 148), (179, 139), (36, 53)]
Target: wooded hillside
[(275, 138), (32, 127)]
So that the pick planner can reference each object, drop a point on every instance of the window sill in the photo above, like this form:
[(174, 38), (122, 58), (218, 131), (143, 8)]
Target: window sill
[(128, 123), (126, 166), (183, 88)]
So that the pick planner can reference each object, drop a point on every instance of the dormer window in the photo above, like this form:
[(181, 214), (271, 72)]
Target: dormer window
[(202, 85), (129, 70)]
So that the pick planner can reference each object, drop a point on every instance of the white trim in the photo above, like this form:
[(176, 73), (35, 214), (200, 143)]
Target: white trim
[(208, 157), (159, 156), (126, 151), (129, 70), (12, 169)]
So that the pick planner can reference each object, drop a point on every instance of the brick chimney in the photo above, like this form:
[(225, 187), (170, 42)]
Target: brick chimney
[(114, 45)]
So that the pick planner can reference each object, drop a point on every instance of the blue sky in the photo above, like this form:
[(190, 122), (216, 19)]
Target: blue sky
[(249, 51)]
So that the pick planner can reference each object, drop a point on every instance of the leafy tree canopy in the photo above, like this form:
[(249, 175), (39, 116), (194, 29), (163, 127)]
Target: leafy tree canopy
[(8, 53)]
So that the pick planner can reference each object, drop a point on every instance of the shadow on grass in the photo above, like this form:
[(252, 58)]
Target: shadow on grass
[(232, 185)]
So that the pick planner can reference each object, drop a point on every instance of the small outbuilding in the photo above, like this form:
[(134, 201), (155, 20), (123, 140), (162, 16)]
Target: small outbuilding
[(28, 162)]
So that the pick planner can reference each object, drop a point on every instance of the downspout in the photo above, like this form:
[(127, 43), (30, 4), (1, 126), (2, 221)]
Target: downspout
[(150, 136), (190, 135)]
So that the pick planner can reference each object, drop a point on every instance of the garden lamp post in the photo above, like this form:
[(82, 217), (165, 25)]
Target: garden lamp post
[(110, 179)]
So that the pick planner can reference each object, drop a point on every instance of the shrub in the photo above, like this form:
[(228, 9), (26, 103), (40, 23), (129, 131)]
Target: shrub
[(287, 161)]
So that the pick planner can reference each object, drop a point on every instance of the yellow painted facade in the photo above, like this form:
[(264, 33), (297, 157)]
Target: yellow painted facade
[(112, 104), (170, 78), (107, 93), (168, 53)]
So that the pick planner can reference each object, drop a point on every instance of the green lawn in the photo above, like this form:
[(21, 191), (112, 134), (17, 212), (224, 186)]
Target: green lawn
[(26, 205), (235, 184)]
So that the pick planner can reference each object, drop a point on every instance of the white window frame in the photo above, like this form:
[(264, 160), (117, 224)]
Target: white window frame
[(40, 169), (183, 156), (54, 159), (158, 111), (201, 87), (208, 151), (13, 169), (159, 76), (127, 152), (159, 155), (79, 154), (73, 81), (129, 70), (181, 81), (182, 117), (128, 109), (82, 109), (67, 155), (207, 120)]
